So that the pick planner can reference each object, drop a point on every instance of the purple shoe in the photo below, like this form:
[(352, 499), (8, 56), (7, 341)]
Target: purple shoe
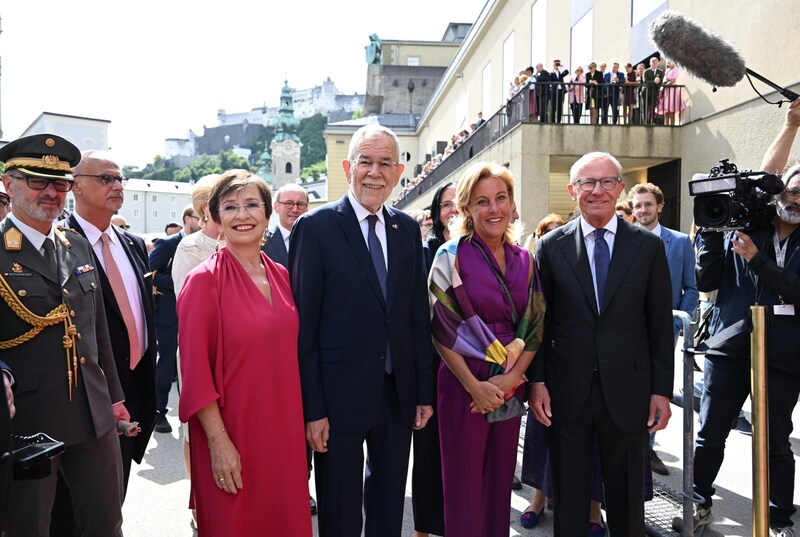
[(529, 519), (596, 530)]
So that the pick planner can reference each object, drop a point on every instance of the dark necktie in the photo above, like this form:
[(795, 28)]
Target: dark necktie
[(602, 258), (49, 253), (376, 253)]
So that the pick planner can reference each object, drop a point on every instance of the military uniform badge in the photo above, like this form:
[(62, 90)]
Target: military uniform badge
[(13, 239)]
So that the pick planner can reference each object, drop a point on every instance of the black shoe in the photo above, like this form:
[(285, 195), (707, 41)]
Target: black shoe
[(162, 425), (657, 464), (313, 505), (743, 426), (516, 484)]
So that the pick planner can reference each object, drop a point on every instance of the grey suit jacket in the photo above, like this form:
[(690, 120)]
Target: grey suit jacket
[(630, 339), (275, 247), (40, 363)]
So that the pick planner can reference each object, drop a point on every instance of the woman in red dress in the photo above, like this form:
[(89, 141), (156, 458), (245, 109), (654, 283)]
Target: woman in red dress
[(241, 384)]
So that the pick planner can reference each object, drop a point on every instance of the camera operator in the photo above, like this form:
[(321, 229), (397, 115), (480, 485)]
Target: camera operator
[(758, 267)]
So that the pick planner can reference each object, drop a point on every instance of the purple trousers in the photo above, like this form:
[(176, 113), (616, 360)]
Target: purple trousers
[(478, 460)]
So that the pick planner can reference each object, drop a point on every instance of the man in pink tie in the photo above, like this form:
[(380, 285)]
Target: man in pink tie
[(99, 191)]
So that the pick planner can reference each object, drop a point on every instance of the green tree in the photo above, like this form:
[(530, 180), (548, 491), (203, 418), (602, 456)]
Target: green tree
[(358, 114), (313, 172), (312, 136)]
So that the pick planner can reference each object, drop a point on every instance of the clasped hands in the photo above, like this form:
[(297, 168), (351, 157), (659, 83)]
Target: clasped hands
[(490, 394)]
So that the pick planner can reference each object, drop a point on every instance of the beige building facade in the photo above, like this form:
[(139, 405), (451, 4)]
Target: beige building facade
[(510, 35)]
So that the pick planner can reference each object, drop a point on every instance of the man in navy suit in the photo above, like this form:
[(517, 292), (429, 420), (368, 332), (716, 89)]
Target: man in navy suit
[(291, 202), (647, 202), (99, 194), (613, 80), (607, 364), (366, 369), (166, 318)]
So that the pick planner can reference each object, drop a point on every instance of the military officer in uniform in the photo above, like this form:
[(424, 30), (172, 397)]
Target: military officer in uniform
[(54, 336)]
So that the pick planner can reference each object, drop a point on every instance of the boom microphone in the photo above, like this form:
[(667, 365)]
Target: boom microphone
[(702, 53)]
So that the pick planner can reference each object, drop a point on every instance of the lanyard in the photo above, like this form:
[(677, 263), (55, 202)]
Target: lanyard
[(780, 252)]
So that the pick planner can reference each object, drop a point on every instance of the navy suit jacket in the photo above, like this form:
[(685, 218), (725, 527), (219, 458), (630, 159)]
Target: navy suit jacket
[(275, 247), (141, 402), (630, 338), (680, 256), (346, 325), (161, 265), (612, 90)]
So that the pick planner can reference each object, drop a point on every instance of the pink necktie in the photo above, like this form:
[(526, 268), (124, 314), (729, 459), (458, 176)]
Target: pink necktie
[(118, 286)]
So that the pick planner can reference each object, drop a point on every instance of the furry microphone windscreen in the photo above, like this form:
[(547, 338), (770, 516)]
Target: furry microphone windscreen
[(699, 51)]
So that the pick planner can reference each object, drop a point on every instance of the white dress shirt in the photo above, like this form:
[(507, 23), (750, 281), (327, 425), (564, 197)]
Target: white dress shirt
[(380, 226)]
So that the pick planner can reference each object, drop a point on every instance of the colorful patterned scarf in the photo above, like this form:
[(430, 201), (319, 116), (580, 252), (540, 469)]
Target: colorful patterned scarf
[(455, 324)]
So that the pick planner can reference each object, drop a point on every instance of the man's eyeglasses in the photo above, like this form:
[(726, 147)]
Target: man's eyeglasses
[(249, 208), (587, 185), (4, 202), (40, 183), (792, 192), (105, 179), (447, 205), (365, 165), (292, 204)]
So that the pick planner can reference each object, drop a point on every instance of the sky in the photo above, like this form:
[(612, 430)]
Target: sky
[(158, 69)]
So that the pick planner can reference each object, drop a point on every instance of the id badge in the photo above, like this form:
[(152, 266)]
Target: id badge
[(783, 309)]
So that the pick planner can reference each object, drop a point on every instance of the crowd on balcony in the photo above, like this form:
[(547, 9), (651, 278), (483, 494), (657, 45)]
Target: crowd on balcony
[(637, 96)]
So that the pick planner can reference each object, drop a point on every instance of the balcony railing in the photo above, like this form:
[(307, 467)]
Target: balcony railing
[(555, 103)]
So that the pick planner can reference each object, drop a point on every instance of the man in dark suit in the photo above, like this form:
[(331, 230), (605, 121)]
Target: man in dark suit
[(99, 194), (166, 318), (653, 78), (291, 202), (557, 76), (613, 81), (544, 94), (607, 363), (54, 319), (366, 368)]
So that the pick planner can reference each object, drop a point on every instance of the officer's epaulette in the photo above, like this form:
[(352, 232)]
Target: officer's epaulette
[(59, 233), (62, 228)]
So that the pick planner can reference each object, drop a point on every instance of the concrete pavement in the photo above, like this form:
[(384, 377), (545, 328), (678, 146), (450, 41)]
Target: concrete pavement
[(158, 492)]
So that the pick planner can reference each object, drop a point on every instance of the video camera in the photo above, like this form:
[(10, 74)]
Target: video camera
[(727, 199)]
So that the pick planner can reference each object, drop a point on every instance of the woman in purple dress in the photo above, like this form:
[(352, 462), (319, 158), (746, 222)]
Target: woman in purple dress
[(488, 311)]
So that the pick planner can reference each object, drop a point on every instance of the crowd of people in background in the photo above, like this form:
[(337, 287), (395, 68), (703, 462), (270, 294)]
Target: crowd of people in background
[(636, 96)]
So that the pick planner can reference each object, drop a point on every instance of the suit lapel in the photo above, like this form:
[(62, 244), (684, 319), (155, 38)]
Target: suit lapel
[(574, 250), (393, 254), (626, 243), (354, 236), (666, 237), (108, 295)]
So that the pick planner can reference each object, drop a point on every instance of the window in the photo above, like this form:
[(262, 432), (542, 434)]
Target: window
[(154, 199), (581, 41), (486, 91), (413, 61), (155, 213), (642, 8), (539, 32), (510, 69), (173, 214), (288, 167), (136, 213), (136, 197), (70, 204), (172, 200)]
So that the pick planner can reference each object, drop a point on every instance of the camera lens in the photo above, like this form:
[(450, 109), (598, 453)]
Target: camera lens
[(712, 211)]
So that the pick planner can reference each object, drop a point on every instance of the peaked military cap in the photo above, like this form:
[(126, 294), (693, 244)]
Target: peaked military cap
[(42, 155)]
